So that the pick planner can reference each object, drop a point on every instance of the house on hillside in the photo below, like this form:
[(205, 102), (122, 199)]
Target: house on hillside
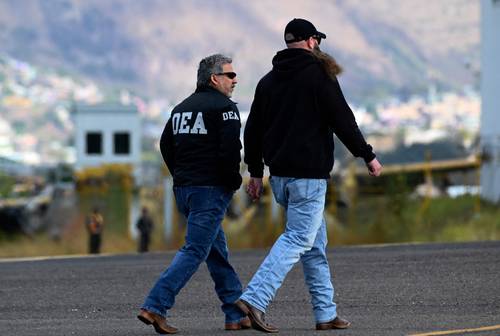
[(107, 133)]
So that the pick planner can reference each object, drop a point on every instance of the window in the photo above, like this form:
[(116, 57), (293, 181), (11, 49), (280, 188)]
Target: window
[(94, 143), (122, 143)]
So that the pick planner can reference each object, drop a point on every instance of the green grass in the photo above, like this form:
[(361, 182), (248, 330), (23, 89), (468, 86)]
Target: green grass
[(6, 184), (402, 219)]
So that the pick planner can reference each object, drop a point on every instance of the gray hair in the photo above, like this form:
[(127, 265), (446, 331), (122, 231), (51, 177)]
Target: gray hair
[(211, 65)]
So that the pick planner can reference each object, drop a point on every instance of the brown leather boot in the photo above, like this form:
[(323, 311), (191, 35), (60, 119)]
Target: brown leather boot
[(244, 323), (158, 322), (257, 318), (336, 323)]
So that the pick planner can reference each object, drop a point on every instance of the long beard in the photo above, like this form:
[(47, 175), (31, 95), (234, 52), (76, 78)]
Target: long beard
[(329, 63)]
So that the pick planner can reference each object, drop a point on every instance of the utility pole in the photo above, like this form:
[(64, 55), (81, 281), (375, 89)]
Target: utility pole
[(490, 96)]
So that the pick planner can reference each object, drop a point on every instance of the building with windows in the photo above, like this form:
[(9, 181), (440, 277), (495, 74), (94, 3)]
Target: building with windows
[(490, 105), (107, 134)]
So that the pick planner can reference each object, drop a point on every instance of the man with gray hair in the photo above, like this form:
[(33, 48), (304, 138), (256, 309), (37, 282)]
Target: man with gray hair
[(201, 147)]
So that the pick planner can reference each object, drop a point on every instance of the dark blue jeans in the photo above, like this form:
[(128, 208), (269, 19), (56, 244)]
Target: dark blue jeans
[(204, 208)]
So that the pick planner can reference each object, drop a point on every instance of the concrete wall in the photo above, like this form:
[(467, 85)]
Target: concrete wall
[(490, 91)]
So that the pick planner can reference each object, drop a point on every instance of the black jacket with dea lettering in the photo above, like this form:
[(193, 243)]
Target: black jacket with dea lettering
[(296, 109), (201, 141)]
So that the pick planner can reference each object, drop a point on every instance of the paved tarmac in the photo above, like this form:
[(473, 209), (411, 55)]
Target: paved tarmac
[(382, 290)]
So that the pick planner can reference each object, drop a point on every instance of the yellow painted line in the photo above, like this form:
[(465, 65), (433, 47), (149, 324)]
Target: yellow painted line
[(62, 257), (451, 332), (43, 258), (79, 256)]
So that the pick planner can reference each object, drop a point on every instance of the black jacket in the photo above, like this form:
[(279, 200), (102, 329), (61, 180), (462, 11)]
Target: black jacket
[(201, 141), (145, 225), (296, 109)]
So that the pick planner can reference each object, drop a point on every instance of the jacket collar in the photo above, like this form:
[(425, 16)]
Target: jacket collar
[(208, 88)]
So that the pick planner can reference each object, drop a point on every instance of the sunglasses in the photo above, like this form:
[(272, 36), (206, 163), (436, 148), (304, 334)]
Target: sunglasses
[(229, 75), (317, 38)]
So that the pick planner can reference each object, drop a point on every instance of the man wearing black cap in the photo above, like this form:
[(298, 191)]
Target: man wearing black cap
[(297, 107)]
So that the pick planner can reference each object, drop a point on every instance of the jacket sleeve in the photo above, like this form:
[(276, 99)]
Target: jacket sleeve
[(167, 146), (253, 137), (340, 117), (230, 147)]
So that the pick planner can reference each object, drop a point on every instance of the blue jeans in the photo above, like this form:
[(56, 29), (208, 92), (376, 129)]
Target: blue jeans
[(305, 239), (204, 208)]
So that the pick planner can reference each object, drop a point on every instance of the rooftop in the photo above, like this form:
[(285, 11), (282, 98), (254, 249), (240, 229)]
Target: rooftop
[(103, 108)]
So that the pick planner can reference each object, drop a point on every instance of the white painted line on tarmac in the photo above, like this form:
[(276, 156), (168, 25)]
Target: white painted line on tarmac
[(69, 256), (461, 331), (78, 256)]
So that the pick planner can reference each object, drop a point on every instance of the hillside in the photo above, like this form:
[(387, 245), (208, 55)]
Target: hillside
[(153, 46)]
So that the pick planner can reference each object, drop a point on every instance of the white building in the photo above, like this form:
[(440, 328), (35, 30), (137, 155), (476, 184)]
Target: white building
[(107, 134), (490, 92)]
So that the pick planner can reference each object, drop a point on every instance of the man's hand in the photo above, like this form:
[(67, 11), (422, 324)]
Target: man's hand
[(374, 167), (254, 188)]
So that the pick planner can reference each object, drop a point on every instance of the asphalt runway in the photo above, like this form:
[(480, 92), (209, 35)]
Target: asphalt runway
[(417, 289)]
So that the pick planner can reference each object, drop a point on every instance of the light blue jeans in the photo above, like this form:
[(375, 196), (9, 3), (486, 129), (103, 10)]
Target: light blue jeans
[(305, 239)]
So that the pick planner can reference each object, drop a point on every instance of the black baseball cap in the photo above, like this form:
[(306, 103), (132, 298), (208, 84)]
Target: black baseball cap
[(300, 29)]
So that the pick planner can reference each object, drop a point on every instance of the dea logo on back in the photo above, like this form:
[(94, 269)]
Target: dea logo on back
[(180, 123)]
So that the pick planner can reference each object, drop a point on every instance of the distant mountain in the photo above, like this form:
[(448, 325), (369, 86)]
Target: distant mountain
[(154, 46)]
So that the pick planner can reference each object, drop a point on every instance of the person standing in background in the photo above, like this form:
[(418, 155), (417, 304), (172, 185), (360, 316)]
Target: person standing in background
[(95, 225), (145, 226)]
